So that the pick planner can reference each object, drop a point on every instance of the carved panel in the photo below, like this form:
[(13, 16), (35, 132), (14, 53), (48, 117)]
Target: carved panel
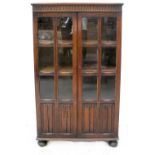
[(77, 7), (97, 119), (52, 122)]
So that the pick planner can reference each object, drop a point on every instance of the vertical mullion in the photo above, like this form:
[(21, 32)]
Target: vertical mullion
[(74, 74), (80, 74), (118, 73), (98, 74), (55, 59), (99, 61), (56, 76)]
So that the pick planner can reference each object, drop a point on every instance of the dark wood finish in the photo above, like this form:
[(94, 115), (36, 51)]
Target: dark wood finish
[(113, 143), (42, 143), (76, 117), (77, 7)]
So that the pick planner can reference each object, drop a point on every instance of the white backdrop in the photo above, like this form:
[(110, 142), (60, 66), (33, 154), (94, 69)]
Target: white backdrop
[(17, 102)]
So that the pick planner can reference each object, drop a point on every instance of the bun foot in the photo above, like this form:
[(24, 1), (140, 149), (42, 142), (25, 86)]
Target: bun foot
[(113, 143), (42, 143)]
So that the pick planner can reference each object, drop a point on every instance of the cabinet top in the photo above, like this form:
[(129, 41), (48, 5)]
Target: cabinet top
[(77, 7)]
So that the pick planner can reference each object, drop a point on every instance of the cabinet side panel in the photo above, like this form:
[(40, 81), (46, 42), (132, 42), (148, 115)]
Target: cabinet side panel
[(118, 74), (35, 50)]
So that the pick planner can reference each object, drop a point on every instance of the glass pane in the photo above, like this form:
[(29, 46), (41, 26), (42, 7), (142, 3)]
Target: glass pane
[(64, 29), (90, 58), (109, 28), (89, 87), (108, 87), (65, 59), (108, 58), (65, 87), (45, 31), (46, 59), (89, 28), (46, 87)]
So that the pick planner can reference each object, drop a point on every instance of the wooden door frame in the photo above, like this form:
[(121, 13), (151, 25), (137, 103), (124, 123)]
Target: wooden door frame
[(114, 134), (74, 74)]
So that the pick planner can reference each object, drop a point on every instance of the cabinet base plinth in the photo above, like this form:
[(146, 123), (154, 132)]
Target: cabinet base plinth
[(113, 142)]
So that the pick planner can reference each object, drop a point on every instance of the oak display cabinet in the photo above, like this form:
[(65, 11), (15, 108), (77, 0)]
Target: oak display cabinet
[(77, 62)]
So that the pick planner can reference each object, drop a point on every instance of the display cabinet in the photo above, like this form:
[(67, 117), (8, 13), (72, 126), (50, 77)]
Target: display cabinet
[(77, 62)]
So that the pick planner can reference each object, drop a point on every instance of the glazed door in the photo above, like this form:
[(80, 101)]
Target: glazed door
[(97, 39), (75, 71), (56, 73)]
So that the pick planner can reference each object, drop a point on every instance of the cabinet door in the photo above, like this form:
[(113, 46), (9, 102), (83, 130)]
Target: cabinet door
[(56, 74), (97, 35), (66, 73)]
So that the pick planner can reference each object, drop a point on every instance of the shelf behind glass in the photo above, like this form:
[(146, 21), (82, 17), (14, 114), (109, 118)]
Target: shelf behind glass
[(46, 87), (65, 71), (65, 88), (90, 43), (89, 60), (89, 28), (89, 88), (108, 27), (46, 60), (107, 71), (64, 28), (45, 37), (48, 70), (64, 43), (107, 88), (65, 60)]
